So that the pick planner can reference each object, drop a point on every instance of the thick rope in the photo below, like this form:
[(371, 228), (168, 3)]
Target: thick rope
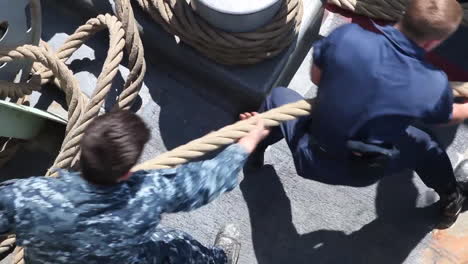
[(7, 244), (136, 61), (382, 9), (18, 90), (460, 89), (133, 44), (226, 135), (79, 117), (18, 254), (81, 109), (77, 126), (78, 38), (178, 18), (68, 83), (211, 142), (137, 66)]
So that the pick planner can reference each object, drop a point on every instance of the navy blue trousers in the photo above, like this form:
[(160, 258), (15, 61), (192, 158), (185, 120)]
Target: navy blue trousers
[(417, 151)]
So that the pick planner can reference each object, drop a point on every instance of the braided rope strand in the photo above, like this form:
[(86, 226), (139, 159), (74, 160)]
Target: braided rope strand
[(178, 18), (115, 54), (135, 50), (226, 135)]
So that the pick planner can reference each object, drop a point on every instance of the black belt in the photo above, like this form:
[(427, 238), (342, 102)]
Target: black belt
[(360, 153)]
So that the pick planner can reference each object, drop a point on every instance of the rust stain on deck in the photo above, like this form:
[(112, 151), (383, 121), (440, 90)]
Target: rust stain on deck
[(449, 246)]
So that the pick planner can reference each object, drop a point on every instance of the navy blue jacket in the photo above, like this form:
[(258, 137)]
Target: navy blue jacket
[(373, 86)]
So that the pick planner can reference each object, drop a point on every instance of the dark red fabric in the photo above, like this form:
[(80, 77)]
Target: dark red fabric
[(454, 72)]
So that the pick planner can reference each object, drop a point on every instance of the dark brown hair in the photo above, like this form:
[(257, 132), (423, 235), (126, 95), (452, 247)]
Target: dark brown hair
[(111, 146), (431, 19)]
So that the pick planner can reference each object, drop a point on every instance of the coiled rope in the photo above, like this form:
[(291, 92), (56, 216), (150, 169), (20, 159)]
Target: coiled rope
[(178, 18), (81, 109)]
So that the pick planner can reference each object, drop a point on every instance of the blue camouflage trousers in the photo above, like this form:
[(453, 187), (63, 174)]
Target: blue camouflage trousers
[(176, 247)]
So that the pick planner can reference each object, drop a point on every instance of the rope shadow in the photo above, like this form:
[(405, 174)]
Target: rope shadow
[(390, 238), (186, 110), (88, 66), (85, 69)]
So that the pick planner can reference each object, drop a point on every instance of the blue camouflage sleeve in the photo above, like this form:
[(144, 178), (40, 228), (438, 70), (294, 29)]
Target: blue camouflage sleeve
[(195, 184), (6, 208)]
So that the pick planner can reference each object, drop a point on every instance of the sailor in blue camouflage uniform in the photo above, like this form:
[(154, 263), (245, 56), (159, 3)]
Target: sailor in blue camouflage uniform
[(105, 214)]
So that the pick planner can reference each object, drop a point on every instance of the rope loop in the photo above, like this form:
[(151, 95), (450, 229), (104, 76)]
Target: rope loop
[(178, 18)]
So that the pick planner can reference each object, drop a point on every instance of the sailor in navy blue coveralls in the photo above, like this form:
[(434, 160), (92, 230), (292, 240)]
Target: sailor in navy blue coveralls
[(373, 88)]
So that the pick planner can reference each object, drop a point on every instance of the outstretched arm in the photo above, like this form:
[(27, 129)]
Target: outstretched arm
[(195, 184)]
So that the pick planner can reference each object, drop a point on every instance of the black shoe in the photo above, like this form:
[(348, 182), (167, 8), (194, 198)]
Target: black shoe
[(228, 240), (461, 174), (256, 159), (451, 205)]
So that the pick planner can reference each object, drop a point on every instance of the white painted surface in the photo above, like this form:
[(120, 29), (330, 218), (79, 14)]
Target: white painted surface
[(239, 6)]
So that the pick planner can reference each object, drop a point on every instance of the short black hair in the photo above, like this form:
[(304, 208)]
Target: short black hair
[(111, 146)]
